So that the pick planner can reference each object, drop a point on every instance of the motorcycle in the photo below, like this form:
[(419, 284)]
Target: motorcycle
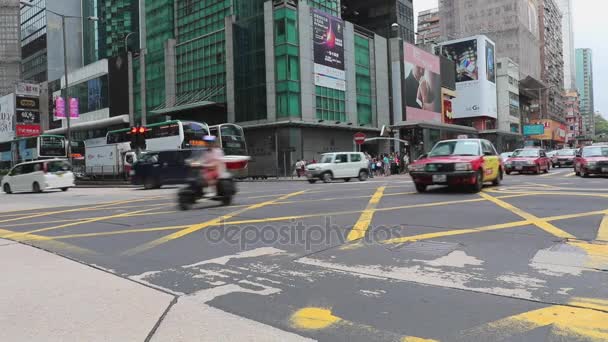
[(198, 189)]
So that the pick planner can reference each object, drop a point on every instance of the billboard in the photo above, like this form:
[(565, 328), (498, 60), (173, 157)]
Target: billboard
[(475, 76), (328, 50), (28, 89), (7, 114), (553, 130), (534, 130), (422, 71)]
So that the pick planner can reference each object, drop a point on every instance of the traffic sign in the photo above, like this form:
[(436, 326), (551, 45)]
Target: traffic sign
[(359, 138)]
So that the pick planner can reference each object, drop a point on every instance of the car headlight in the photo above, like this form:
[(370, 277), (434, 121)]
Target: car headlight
[(508, 164), (417, 168), (591, 164), (463, 167)]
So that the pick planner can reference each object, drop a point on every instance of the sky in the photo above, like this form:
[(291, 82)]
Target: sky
[(590, 31)]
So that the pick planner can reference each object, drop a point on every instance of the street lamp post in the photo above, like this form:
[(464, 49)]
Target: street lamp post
[(65, 68), (130, 77)]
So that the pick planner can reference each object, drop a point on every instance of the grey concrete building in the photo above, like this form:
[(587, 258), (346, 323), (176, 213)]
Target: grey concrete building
[(512, 24), (429, 30), (551, 59), (42, 41), (584, 84), (10, 53), (565, 7), (507, 92)]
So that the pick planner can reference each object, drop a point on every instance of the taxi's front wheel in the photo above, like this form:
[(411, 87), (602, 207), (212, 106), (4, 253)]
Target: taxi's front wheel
[(421, 188), (475, 188), (498, 179)]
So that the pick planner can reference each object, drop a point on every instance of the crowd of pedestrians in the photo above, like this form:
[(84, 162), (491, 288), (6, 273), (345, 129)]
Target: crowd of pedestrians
[(387, 164)]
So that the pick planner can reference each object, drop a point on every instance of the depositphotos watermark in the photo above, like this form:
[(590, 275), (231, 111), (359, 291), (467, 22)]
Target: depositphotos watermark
[(294, 233)]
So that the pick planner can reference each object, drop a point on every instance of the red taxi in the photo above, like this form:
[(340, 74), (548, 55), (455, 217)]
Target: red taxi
[(591, 160), (563, 157), (528, 160), (468, 162)]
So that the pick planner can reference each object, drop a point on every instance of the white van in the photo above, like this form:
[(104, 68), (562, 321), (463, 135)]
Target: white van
[(40, 175), (339, 165)]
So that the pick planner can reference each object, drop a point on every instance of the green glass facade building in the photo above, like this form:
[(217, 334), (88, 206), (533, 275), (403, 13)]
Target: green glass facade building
[(252, 62)]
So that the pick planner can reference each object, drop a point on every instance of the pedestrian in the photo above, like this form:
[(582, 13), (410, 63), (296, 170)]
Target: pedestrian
[(369, 165), (379, 168), (387, 164), (406, 162), (299, 168)]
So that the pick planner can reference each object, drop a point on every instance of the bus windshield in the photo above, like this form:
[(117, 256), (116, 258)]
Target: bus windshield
[(194, 133), (51, 146), (233, 140)]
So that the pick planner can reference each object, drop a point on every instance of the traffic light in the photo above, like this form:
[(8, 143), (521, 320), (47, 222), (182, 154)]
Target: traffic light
[(138, 138)]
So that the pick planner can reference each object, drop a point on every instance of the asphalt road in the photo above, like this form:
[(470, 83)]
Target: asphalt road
[(371, 261)]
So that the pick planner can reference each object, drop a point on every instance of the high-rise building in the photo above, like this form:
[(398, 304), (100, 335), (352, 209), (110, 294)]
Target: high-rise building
[(551, 59), (118, 26), (584, 84), (568, 43), (512, 24), (10, 53), (573, 116), (429, 30), (507, 94), (42, 40), (381, 17)]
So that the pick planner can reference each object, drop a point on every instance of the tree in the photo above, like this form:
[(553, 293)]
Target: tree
[(601, 127)]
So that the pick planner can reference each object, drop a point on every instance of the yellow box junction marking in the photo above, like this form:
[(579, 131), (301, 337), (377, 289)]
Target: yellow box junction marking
[(313, 318), (360, 228), (540, 223), (580, 320), (602, 233), (47, 243), (204, 225)]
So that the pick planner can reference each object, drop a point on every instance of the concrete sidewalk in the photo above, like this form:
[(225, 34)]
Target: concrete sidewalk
[(46, 297)]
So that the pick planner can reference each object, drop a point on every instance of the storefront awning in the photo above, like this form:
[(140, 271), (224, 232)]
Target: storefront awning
[(298, 123), (188, 100), (497, 132), (115, 120)]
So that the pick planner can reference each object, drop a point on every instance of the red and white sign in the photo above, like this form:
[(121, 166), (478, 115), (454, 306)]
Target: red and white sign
[(360, 138), (28, 130)]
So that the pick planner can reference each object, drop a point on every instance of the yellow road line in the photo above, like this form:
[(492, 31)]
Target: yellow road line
[(119, 232), (360, 228), (197, 227), (508, 225), (48, 213), (81, 222), (547, 193), (544, 225), (602, 232), (568, 322), (48, 243)]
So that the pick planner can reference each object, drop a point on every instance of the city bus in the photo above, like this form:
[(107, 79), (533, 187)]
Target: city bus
[(44, 146), (232, 141), (168, 135)]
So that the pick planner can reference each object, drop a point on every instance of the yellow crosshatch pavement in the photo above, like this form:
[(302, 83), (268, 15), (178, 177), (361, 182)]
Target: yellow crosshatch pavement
[(151, 226)]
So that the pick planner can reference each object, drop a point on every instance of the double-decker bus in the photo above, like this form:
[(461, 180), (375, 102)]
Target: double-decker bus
[(44, 146), (168, 135)]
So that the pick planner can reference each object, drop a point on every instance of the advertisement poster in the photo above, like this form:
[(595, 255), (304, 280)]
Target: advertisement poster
[(328, 41), (74, 111), (475, 76), (464, 54), (553, 130), (59, 108), (422, 85), (490, 62), (7, 114), (28, 130)]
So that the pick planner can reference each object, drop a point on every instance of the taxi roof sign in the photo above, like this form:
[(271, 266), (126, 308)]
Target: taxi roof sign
[(463, 136)]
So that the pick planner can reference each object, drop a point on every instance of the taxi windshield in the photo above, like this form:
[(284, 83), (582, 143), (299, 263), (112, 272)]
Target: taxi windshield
[(565, 152), (599, 151), (456, 148), (526, 153)]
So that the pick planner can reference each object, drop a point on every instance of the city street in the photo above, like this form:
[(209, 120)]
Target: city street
[(356, 261)]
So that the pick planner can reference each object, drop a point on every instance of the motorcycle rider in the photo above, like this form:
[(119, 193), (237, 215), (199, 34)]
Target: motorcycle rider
[(212, 162)]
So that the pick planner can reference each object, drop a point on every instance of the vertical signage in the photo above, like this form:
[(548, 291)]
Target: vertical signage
[(422, 71), (7, 114), (27, 114), (328, 42), (59, 108), (74, 113)]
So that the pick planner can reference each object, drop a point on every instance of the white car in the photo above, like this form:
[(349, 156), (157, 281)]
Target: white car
[(339, 165), (40, 175)]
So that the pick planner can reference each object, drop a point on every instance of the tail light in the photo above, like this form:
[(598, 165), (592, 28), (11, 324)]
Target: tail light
[(237, 165)]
